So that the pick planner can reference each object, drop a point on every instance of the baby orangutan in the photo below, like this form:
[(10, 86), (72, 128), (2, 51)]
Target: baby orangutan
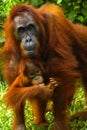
[(29, 85)]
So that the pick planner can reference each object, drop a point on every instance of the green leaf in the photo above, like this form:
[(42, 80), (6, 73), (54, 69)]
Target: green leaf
[(84, 11), (2, 39), (59, 1), (80, 18), (72, 15)]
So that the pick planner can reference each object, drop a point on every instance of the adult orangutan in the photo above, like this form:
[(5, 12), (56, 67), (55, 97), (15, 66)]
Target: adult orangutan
[(58, 46)]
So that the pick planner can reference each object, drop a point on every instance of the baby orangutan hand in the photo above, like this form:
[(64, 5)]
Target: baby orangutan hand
[(53, 83)]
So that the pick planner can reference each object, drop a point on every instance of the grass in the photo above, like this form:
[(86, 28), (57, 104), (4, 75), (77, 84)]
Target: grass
[(6, 115)]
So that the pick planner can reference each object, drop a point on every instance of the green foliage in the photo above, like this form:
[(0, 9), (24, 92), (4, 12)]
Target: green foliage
[(75, 10), (5, 115), (5, 6), (78, 125), (78, 101)]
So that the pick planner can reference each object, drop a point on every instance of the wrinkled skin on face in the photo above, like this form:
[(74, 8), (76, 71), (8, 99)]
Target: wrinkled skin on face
[(27, 32)]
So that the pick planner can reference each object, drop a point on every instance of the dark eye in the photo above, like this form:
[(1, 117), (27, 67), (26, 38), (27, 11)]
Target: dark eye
[(21, 30), (31, 75), (38, 72), (31, 27)]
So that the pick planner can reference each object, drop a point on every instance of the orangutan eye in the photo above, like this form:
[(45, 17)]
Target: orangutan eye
[(21, 30), (31, 27), (31, 75), (38, 72)]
